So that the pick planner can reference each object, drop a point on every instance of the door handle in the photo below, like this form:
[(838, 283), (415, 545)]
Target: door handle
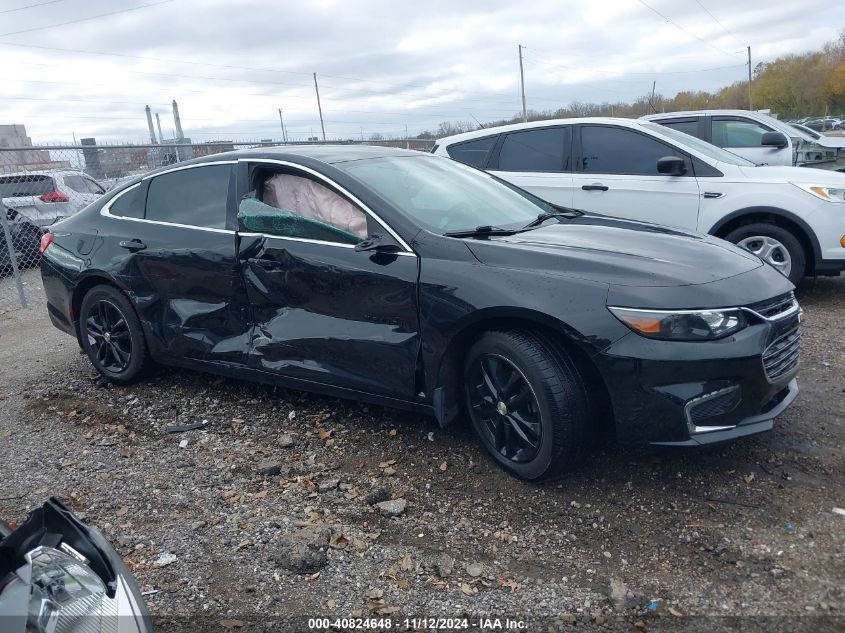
[(595, 187), (133, 245)]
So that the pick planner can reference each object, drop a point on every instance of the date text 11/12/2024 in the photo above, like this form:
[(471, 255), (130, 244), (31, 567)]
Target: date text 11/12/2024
[(418, 624)]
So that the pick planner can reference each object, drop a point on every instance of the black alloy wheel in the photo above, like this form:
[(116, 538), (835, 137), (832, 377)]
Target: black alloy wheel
[(108, 334), (111, 335), (528, 403), (505, 407)]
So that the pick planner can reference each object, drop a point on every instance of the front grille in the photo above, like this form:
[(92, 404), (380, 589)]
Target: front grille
[(771, 308), (781, 357), (711, 405)]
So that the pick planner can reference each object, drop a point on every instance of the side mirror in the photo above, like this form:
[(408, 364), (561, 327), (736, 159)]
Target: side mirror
[(671, 166), (376, 243), (774, 139)]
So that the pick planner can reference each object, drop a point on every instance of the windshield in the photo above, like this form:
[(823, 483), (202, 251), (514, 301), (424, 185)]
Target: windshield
[(811, 133), (443, 195), (702, 147)]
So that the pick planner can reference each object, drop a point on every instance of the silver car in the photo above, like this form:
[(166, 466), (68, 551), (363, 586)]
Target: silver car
[(48, 196)]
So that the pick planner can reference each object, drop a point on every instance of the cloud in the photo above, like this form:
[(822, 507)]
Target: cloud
[(381, 65)]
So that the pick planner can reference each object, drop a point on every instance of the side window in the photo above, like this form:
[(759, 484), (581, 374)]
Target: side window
[(473, 153), (195, 197), (288, 205), (687, 126), (613, 150), (543, 150), (738, 133), (130, 204)]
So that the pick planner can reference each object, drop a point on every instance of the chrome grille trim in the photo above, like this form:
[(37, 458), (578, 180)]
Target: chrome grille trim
[(782, 356)]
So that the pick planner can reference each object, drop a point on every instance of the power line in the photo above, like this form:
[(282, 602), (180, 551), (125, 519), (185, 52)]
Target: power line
[(678, 26), (715, 19), (93, 17), (31, 6)]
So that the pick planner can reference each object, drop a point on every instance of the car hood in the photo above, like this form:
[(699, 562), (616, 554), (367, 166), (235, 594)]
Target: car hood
[(618, 252), (782, 174)]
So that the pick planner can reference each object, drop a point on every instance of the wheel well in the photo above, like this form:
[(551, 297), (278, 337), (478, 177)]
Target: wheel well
[(784, 223), (451, 365)]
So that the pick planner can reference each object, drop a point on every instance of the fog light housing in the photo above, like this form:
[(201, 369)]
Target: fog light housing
[(710, 405)]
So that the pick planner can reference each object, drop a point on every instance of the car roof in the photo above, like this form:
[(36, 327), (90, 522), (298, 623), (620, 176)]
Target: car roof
[(46, 172), (325, 153), (660, 115), (448, 140)]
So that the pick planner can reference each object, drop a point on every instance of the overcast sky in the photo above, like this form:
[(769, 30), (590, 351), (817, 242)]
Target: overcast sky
[(381, 65)]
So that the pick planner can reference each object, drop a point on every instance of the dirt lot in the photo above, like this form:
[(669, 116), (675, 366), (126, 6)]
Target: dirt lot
[(269, 511)]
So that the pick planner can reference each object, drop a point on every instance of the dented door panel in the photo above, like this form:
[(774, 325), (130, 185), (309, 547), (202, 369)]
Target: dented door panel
[(190, 293), (329, 314)]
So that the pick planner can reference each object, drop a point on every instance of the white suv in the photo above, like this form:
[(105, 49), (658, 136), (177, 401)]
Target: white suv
[(46, 197), (793, 218), (760, 138)]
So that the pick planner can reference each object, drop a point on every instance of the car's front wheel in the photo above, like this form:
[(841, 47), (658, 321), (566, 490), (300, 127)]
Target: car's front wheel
[(111, 335), (774, 245), (528, 403)]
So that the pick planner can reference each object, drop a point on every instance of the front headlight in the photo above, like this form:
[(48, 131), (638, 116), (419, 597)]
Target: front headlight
[(829, 194), (682, 325), (64, 591)]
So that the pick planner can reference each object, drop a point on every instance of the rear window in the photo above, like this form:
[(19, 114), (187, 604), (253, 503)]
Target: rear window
[(130, 204), (195, 197), (473, 153), (687, 127), (81, 184), (539, 150), (25, 185)]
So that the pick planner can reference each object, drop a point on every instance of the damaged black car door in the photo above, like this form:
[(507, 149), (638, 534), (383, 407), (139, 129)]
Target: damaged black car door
[(334, 293), (179, 259)]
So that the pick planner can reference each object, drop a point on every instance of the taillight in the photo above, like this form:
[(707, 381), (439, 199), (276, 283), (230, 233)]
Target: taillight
[(46, 240), (54, 196)]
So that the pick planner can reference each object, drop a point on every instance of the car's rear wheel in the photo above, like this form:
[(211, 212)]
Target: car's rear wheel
[(528, 403), (111, 335), (773, 244)]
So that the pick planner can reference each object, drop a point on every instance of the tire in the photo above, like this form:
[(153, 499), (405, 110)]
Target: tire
[(30, 241), (111, 335), (558, 421), (773, 244)]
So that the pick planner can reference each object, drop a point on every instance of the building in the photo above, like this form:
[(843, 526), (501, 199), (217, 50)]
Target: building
[(23, 159)]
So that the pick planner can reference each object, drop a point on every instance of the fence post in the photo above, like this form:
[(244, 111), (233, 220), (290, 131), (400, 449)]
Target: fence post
[(15, 270)]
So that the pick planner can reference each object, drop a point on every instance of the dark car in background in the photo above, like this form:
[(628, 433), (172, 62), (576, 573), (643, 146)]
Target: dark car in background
[(413, 281), (25, 237)]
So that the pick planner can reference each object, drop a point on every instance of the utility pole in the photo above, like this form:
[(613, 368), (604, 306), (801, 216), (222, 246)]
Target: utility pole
[(522, 86), (750, 101), (319, 107), (651, 102), (282, 122)]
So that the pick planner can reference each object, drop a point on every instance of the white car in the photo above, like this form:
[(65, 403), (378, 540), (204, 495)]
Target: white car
[(822, 139), (760, 138), (48, 196), (793, 218)]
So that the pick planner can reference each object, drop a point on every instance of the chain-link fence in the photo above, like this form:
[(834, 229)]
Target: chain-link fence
[(40, 185)]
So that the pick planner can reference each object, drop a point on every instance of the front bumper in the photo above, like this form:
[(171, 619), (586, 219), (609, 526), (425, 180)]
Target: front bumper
[(751, 425), (693, 393)]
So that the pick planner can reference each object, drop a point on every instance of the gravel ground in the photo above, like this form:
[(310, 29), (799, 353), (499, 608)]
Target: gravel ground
[(282, 507)]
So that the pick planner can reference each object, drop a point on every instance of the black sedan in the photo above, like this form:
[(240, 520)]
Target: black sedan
[(413, 281)]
